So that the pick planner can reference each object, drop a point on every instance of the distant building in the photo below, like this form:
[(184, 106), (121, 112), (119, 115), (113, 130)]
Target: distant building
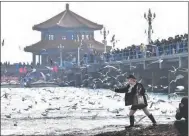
[(69, 30)]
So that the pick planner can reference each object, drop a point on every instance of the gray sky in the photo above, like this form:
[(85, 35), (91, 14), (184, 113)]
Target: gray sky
[(124, 19)]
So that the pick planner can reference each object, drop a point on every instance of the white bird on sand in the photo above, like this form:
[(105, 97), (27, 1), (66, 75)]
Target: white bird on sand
[(173, 95), (8, 116), (163, 111), (44, 114), (94, 116), (156, 102), (140, 119)]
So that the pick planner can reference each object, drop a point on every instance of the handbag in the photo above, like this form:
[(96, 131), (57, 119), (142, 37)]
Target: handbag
[(138, 99)]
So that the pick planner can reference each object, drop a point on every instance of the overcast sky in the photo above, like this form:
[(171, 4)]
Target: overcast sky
[(124, 19)]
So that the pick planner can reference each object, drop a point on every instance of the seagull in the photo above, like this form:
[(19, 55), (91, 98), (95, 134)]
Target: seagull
[(174, 95), (157, 61), (140, 81), (8, 116), (164, 111), (44, 50), (179, 88), (124, 74), (163, 77), (108, 66), (3, 42), (94, 116), (175, 70), (132, 66), (113, 38), (5, 95), (177, 78), (49, 68), (43, 75), (158, 101), (33, 71), (140, 119), (44, 114), (184, 70)]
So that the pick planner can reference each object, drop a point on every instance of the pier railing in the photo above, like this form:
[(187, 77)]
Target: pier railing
[(154, 51)]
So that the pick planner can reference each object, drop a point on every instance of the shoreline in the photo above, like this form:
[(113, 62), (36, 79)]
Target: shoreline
[(159, 130), (139, 130)]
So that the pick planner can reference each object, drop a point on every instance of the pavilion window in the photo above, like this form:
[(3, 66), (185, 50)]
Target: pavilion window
[(87, 37), (51, 37), (90, 36), (77, 37), (83, 36), (72, 36), (63, 37), (46, 37), (90, 45)]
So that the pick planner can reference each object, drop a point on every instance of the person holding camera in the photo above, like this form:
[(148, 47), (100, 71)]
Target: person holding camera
[(135, 96)]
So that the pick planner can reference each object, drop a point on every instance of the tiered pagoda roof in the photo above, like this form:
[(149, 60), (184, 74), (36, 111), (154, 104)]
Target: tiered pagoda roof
[(67, 19)]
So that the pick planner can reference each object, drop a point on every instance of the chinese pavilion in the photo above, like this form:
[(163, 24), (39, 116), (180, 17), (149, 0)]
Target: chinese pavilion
[(65, 32)]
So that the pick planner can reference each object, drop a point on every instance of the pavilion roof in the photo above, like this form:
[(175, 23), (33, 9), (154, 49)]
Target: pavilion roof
[(68, 45), (69, 20)]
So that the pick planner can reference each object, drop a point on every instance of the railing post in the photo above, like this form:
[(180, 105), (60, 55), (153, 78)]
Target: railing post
[(160, 65), (144, 65), (180, 62), (130, 66), (152, 81)]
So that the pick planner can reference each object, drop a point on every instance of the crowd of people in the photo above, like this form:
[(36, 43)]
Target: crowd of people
[(178, 44)]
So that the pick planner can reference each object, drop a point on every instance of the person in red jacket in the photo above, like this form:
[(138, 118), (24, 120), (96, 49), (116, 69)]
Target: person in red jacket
[(132, 92)]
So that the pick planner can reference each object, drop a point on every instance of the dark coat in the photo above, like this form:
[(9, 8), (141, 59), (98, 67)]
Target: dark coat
[(129, 97)]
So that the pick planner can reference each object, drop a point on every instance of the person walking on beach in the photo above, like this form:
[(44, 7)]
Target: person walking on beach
[(135, 96)]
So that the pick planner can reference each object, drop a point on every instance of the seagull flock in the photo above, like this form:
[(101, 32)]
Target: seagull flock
[(72, 103)]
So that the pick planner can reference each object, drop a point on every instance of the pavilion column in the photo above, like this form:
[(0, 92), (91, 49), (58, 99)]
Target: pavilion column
[(44, 59), (34, 59), (39, 59), (180, 62)]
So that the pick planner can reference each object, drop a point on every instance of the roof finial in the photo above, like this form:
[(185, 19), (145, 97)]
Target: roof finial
[(67, 6)]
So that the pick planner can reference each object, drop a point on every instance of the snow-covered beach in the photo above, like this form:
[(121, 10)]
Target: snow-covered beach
[(69, 110)]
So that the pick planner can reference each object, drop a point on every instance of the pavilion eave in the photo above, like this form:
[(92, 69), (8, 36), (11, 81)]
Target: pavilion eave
[(68, 45)]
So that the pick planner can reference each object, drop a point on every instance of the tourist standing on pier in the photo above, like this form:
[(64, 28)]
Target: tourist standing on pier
[(135, 96)]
